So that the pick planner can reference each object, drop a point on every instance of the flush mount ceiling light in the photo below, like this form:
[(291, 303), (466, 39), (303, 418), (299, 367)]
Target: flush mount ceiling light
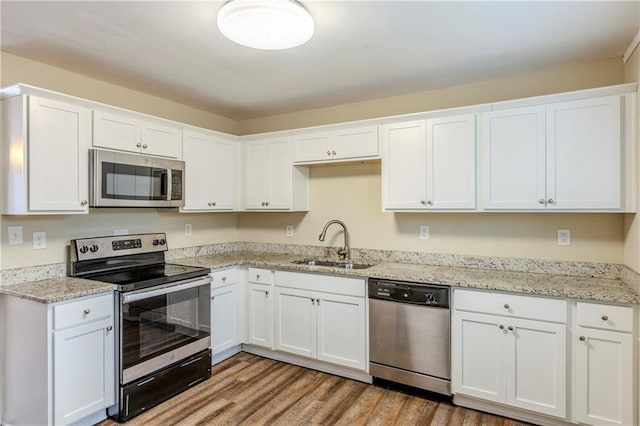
[(266, 24)]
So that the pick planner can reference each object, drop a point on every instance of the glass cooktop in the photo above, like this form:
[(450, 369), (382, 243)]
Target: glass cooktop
[(149, 276)]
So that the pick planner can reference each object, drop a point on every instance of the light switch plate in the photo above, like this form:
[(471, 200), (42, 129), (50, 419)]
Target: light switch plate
[(15, 235), (187, 229), (289, 230), (424, 232), (39, 240)]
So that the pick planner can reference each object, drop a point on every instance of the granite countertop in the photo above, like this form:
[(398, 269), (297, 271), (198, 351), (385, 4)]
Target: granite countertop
[(541, 284), (56, 289)]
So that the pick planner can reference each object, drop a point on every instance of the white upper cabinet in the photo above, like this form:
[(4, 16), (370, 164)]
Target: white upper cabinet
[(271, 181), (210, 176), (124, 133), (46, 158), (430, 164), (337, 145), (559, 156)]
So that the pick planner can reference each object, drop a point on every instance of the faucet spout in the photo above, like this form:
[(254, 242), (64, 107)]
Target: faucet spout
[(346, 251)]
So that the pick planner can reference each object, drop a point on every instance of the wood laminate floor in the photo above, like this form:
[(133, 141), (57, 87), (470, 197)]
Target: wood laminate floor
[(250, 390)]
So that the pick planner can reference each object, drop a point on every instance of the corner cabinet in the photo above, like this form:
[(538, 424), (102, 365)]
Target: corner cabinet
[(211, 164), (510, 349), (271, 180), (46, 159), (63, 356), (125, 133), (429, 164), (321, 317), (558, 156), (351, 144)]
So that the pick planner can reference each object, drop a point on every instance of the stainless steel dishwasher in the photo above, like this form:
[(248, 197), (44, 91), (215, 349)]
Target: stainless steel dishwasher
[(409, 334)]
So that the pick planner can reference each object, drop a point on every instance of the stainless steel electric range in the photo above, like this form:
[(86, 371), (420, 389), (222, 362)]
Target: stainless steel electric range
[(162, 317)]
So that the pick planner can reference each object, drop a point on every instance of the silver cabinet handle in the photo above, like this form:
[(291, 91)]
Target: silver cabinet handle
[(328, 152), (582, 338), (224, 279), (506, 306), (501, 327), (423, 202), (144, 146), (257, 277), (266, 203), (605, 318), (550, 201), (138, 145), (109, 327), (266, 293), (313, 301), (333, 152), (318, 300), (430, 202), (213, 297), (87, 311), (213, 203), (541, 201), (83, 202), (510, 328), (209, 203)]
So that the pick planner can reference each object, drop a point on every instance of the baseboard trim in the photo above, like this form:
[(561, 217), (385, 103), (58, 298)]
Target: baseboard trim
[(504, 411), (227, 353)]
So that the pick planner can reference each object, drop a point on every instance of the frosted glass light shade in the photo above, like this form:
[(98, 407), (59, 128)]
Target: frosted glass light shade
[(266, 24)]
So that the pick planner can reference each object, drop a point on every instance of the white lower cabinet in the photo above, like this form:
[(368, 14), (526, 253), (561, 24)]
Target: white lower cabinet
[(62, 356), (604, 365), (321, 324), (500, 357), (226, 311), (260, 308)]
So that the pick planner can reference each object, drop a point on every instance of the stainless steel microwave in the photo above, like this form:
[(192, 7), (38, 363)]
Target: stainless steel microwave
[(131, 180)]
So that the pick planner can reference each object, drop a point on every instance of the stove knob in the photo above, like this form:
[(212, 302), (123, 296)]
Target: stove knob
[(156, 242), (83, 249), (94, 248), (162, 242)]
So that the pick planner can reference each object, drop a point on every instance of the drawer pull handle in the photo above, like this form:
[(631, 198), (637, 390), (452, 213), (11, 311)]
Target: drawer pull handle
[(582, 338), (138, 145), (510, 328), (87, 311), (501, 327), (224, 279), (213, 297), (506, 306), (145, 382), (109, 327), (266, 293), (605, 318), (257, 277)]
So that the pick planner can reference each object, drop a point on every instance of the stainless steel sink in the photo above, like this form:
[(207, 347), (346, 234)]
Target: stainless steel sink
[(331, 264)]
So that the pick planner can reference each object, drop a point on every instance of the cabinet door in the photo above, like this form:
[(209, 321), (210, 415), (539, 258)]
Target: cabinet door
[(279, 176), (198, 154), (312, 147), (537, 369), (224, 318), (451, 162), (604, 377), (257, 182), (224, 166), (583, 154), (83, 370), (342, 334), (260, 315), (479, 364), (160, 140), (116, 132), (361, 142), (59, 139), (295, 321), (513, 165), (404, 174)]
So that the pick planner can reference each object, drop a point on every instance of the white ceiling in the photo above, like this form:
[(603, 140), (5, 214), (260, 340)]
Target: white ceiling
[(361, 49)]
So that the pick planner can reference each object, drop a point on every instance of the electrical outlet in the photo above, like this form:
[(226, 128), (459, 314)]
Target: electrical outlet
[(289, 230), (39, 240), (120, 231), (564, 237), (424, 232), (187, 229), (15, 235)]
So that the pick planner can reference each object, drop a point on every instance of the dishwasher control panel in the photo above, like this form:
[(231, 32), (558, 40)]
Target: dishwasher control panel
[(408, 292)]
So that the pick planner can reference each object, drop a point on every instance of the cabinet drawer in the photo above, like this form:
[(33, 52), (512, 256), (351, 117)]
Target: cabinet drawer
[(260, 276), (608, 317), (510, 305), (223, 277), (82, 311)]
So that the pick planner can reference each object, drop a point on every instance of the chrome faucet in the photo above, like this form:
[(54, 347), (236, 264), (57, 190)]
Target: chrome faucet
[(344, 252)]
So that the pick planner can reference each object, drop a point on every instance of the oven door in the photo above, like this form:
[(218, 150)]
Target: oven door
[(163, 325)]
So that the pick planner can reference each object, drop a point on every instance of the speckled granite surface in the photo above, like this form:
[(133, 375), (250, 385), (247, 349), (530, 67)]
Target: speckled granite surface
[(577, 280), (56, 289)]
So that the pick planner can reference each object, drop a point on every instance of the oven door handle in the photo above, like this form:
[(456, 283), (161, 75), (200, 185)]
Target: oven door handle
[(132, 297)]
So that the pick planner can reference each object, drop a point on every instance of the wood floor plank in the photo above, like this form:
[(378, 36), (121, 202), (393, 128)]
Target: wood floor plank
[(250, 390)]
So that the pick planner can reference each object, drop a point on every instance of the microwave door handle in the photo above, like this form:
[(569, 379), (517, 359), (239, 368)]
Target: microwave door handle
[(133, 297), (165, 188)]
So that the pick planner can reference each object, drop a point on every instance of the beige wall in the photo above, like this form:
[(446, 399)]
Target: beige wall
[(542, 82), (351, 193)]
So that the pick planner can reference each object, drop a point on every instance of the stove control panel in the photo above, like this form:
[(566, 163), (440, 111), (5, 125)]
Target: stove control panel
[(105, 247)]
